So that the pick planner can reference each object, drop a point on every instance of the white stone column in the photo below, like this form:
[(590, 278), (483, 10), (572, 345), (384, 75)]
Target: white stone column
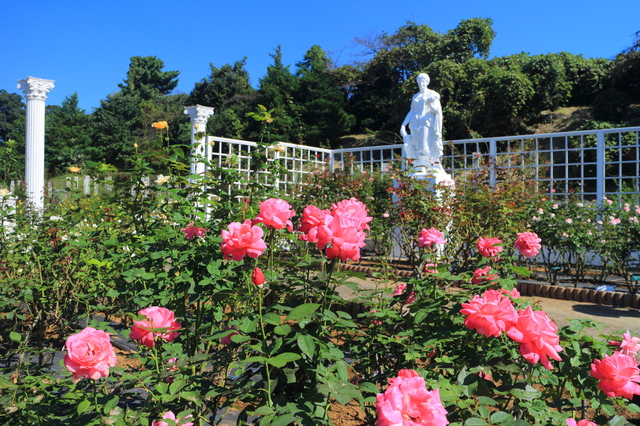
[(35, 91), (199, 115)]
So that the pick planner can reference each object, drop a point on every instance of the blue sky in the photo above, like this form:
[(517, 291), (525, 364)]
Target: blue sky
[(85, 46)]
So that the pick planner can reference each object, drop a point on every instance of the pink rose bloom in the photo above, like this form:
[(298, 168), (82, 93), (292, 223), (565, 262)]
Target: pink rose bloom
[(482, 275), (428, 237), (629, 345), (242, 239), (513, 293), (227, 339), (191, 231), (489, 315), (354, 208), (275, 213), (170, 416), (312, 217), (618, 375), (400, 288), (341, 237), (537, 336), (428, 266), (89, 354), (487, 246), (584, 422), (407, 402), (376, 321), (528, 244), (411, 297), (146, 331)]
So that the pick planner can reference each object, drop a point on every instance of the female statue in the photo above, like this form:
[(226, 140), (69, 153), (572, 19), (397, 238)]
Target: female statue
[(424, 142)]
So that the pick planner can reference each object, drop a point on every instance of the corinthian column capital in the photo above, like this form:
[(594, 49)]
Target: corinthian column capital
[(198, 114), (35, 88)]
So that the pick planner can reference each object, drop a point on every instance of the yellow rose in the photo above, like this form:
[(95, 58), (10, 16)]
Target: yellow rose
[(159, 125), (73, 169), (4, 192)]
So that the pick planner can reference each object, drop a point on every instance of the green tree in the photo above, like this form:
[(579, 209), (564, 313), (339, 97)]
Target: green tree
[(146, 79), (322, 103), (68, 134), (228, 91), (276, 91), (12, 117), (124, 118)]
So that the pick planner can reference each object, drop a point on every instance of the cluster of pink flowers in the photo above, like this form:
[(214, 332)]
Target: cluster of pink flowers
[(339, 231), (160, 323), (618, 374), (527, 243), (407, 402), (494, 313)]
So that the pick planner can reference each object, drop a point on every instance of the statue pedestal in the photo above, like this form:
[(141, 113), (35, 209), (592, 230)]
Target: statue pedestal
[(436, 176)]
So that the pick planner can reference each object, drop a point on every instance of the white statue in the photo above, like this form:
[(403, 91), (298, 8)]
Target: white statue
[(424, 142)]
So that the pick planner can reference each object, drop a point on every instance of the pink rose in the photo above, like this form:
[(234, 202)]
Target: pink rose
[(528, 244), (89, 354), (618, 375), (340, 236), (411, 297), (170, 416), (428, 266), (487, 246), (513, 293), (191, 231), (257, 277), (584, 422), (312, 217), (629, 345), (489, 315), (275, 213), (354, 208), (400, 288), (428, 237), (147, 330), (407, 402), (482, 275), (537, 336), (242, 239)]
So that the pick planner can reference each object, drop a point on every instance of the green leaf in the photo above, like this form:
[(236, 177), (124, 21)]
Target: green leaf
[(528, 393), (284, 420), (633, 408), (302, 311), (282, 330), (110, 404), (306, 345), (475, 421), (264, 410), (608, 408), (501, 417), (271, 318), (282, 359), (176, 386), (369, 387), (617, 421), (82, 407), (239, 338), (485, 400), (16, 337)]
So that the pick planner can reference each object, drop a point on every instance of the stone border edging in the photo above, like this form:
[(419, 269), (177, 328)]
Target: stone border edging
[(576, 294)]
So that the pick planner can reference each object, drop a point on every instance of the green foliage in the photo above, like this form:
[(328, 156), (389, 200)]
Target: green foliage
[(322, 104), (146, 79), (227, 89), (67, 137)]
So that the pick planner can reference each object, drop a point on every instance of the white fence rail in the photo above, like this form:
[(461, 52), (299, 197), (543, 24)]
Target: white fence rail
[(593, 164)]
